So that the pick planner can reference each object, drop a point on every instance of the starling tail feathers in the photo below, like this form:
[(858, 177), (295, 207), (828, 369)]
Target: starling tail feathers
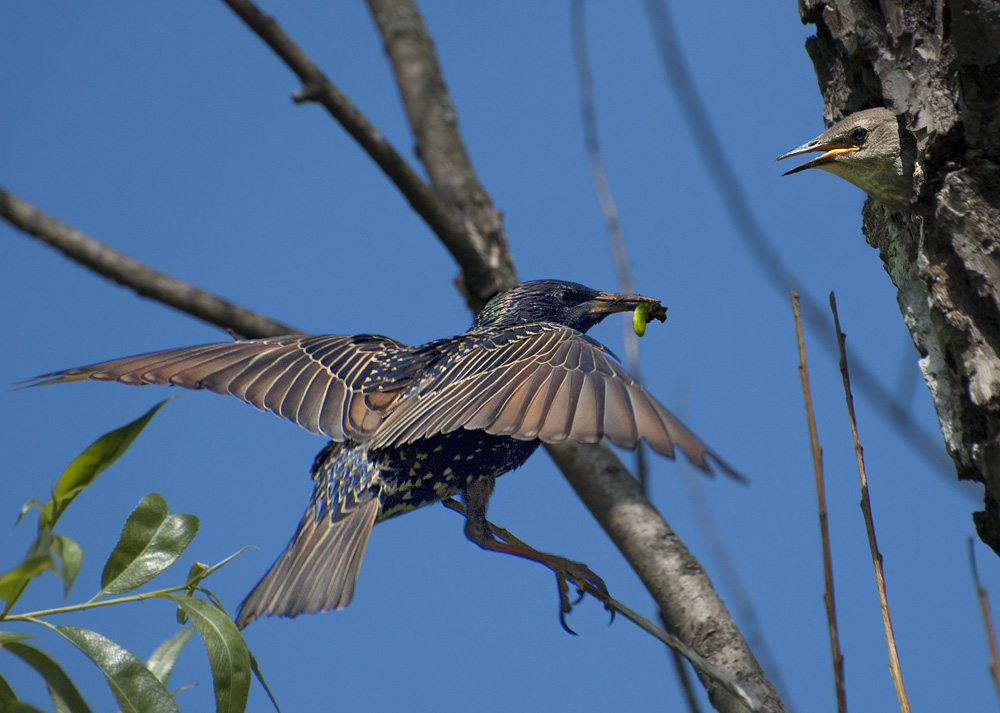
[(318, 570)]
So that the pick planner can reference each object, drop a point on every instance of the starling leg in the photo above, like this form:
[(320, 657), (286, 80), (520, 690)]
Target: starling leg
[(509, 537), (485, 534)]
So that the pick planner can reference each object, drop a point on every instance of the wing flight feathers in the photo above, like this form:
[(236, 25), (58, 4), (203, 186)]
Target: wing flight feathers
[(543, 381), (314, 381)]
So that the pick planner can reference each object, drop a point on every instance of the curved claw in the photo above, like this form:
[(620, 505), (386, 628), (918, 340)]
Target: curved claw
[(586, 583), (565, 607)]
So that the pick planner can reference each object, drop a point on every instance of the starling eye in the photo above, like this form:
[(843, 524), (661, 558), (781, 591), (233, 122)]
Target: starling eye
[(859, 134), (562, 296)]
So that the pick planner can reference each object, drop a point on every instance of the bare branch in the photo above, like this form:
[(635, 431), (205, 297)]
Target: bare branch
[(474, 262), (727, 574), (616, 607), (434, 122), (679, 647), (130, 273), (673, 577)]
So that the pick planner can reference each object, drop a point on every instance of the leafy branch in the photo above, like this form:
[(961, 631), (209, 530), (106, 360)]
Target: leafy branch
[(152, 539)]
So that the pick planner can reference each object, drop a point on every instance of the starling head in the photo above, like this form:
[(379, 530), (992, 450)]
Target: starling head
[(872, 149), (557, 302)]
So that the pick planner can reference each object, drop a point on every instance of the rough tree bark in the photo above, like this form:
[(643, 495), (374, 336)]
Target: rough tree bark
[(937, 62)]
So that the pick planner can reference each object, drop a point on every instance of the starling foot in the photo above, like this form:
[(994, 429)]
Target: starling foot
[(498, 539)]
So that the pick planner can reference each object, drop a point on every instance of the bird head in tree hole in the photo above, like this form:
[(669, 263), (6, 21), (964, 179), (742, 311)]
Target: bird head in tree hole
[(874, 150)]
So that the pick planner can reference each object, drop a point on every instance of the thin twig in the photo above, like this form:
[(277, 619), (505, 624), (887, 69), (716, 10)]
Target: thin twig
[(665, 566), (130, 273), (866, 508), (767, 259), (94, 603), (737, 596), (824, 529), (675, 644), (86, 606), (683, 649), (609, 209), (318, 88), (984, 606), (683, 675)]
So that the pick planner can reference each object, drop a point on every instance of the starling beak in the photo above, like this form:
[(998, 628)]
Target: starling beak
[(415, 425), (872, 149)]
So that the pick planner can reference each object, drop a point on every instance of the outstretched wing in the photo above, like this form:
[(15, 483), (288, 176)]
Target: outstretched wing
[(542, 381), (314, 381)]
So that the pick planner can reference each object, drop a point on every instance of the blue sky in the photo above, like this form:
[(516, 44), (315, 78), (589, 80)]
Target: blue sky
[(166, 130)]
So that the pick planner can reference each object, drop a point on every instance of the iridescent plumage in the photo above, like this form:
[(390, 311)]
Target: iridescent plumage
[(414, 425)]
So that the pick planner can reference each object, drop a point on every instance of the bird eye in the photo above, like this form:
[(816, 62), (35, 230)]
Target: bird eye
[(562, 296), (859, 134)]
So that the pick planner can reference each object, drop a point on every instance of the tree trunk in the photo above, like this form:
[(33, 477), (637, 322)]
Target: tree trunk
[(939, 64)]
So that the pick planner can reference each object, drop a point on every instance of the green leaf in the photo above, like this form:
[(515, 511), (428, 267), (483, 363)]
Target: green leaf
[(32, 503), (227, 652), (13, 582), (134, 687), (7, 695), (92, 462), (60, 686), (198, 572), (58, 704), (150, 542), (38, 559), (260, 677), (213, 599), (70, 557), (20, 707), (7, 637), (161, 662)]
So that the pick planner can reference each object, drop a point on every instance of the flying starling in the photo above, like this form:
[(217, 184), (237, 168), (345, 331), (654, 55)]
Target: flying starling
[(413, 425), (872, 149)]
